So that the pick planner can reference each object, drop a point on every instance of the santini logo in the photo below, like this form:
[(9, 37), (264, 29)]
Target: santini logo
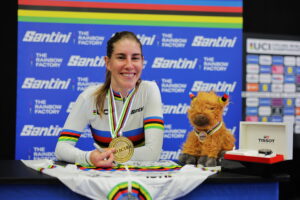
[(146, 40), (76, 60), (31, 130), (53, 37), (32, 83), (181, 63), (217, 87), (200, 41)]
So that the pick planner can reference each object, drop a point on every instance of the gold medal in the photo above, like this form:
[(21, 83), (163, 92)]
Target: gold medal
[(202, 136), (124, 149)]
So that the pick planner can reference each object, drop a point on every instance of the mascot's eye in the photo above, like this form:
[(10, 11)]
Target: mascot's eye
[(211, 108)]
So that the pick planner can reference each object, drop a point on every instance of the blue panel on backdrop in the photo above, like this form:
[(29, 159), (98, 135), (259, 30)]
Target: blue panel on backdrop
[(58, 61)]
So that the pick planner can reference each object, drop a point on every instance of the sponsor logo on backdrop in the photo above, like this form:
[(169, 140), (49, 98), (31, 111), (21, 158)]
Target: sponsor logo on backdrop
[(31, 130), (289, 70), (41, 153), (167, 86), (290, 60), (289, 118), (277, 69), (53, 37), (266, 139), (220, 86), (220, 41), (277, 88), (298, 61), (252, 59), (85, 38), (51, 84), (265, 78), (170, 155), (41, 107), (79, 61), (289, 87), (277, 60), (71, 104), (173, 133), (289, 79), (145, 64), (267, 46), (277, 78), (265, 60), (232, 130), (264, 110), (252, 78), (264, 101), (252, 102), (146, 40), (180, 63), (175, 109), (252, 68), (168, 40), (210, 64), (83, 83), (265, 69), (43, 60)]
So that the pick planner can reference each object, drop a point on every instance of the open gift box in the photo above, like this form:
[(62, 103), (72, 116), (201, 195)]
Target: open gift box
[(256, 139)]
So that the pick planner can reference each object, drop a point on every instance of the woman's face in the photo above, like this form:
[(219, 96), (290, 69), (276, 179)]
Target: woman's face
[(125, 65)]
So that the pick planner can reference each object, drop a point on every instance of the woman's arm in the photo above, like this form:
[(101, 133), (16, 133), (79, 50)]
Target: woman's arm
[(153, 126), (76, 122)]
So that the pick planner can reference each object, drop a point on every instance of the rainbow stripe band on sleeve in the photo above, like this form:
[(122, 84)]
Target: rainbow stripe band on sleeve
[(69, 135), (153, 122)]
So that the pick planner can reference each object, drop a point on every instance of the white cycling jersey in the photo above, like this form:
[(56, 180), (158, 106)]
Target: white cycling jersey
[(144, 126)]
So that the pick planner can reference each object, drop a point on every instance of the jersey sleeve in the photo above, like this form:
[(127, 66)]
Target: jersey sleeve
[(153, 126), (74, 126)]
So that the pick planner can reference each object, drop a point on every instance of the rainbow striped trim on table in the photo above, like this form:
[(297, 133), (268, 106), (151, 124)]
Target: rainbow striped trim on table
[(121, 167)]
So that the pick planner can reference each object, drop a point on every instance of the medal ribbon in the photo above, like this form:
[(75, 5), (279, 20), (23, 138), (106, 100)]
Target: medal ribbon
[(117, 124)]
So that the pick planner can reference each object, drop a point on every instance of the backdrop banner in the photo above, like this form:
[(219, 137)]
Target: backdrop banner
[(60, 53)]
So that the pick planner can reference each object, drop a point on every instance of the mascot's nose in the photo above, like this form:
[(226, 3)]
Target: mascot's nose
[(201, 120)]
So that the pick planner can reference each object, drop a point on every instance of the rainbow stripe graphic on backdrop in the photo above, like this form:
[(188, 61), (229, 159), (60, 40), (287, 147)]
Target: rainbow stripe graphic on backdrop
[(209, 14)]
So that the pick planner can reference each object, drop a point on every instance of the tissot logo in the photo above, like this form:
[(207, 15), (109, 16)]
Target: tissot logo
[(266, 139)]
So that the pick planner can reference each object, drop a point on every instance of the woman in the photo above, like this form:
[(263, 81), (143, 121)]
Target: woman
[(123, 106)]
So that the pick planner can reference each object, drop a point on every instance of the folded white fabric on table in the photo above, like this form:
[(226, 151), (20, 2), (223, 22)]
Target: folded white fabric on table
[(158, 185)]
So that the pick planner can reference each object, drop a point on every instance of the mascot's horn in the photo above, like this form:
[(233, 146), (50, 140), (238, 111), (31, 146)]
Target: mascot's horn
[(192, 96), (224, 97)]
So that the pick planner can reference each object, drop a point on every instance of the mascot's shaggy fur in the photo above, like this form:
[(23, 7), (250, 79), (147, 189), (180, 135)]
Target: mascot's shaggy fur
[(210, 139)]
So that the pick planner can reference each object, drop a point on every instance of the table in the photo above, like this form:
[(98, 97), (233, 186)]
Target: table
[(20, 182)]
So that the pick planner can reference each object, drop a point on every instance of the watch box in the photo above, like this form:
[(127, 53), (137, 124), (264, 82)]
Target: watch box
[(263, 142)]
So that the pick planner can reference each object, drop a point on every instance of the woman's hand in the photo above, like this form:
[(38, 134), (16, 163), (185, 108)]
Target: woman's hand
[(102, 159)]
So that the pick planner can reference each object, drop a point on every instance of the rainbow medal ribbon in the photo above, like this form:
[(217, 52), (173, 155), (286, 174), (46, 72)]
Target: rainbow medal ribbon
[(124, 147)]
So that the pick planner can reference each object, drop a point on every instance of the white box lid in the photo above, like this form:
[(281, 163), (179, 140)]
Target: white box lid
[(277, 136)]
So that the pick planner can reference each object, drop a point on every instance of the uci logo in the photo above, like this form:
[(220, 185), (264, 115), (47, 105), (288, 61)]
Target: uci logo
[(260, 46)]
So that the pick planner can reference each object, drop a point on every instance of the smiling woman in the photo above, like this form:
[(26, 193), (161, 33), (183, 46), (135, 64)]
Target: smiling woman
[(123, 108)]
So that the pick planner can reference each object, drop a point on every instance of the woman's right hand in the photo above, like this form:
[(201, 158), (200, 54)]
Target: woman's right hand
[(102, 159)]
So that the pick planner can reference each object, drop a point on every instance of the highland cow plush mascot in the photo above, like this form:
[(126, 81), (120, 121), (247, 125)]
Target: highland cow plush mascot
[(210, 139)]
